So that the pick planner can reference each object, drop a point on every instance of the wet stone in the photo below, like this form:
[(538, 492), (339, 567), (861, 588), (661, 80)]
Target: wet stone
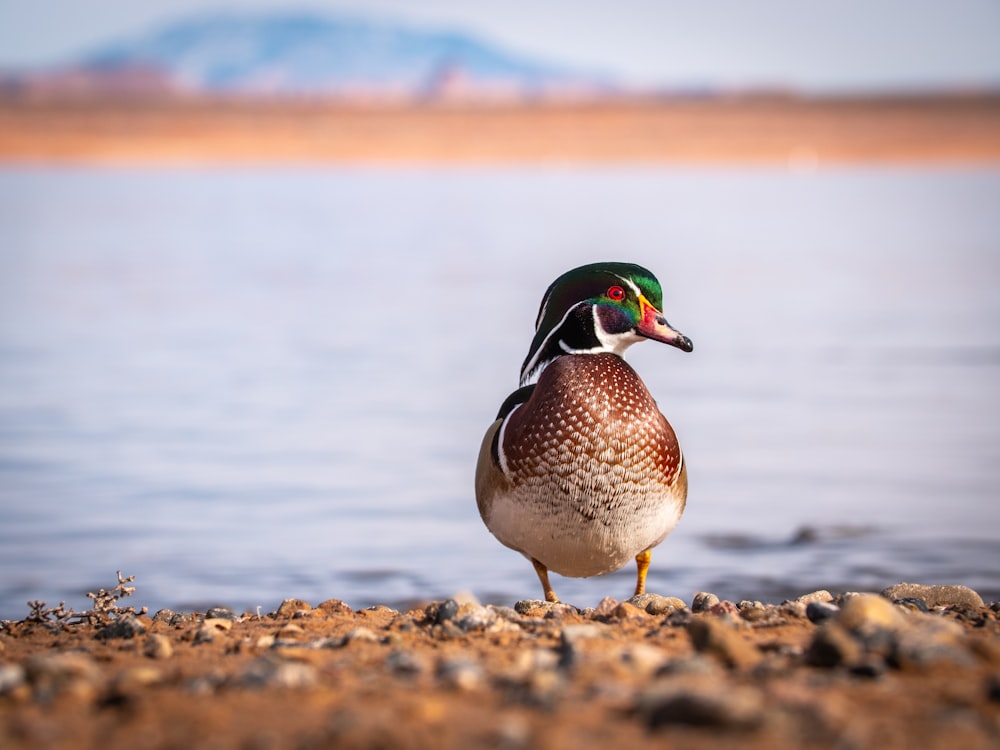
[(934, 596), (221, 613)]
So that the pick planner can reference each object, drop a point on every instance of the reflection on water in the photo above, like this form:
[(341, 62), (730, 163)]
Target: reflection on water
[(246, 384)]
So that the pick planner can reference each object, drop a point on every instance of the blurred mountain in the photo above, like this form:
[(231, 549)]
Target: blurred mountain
[(305, 54)]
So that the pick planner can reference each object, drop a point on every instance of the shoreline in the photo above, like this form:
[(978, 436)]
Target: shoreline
[(800, 133), (912, 665)]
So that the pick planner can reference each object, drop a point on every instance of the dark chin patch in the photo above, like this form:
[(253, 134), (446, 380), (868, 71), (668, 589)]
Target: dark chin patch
[(614, 319)]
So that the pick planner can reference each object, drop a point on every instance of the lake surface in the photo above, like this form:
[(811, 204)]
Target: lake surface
[(246, 384)]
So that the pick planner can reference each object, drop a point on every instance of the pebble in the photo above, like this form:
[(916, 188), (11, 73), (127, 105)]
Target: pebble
[(289, 607), (334, 607), (406, 663), (272, 671), (935, 596), (359, 635), (867, 614), (714, 637), (655, 604), (157, 647), (643, 659), (461, 673), (703, 601), (127, 626), (12, 677), (626, 611), (209, 629), (68, 673), (477, 618), (818, 612), (736, 707), (443, 612), (221, 613)]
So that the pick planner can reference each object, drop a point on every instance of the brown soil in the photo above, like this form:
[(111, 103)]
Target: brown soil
[(615, 676), (798, 132)]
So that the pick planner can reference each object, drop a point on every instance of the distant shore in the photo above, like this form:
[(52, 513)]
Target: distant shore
[(798, 132), (914, 666)]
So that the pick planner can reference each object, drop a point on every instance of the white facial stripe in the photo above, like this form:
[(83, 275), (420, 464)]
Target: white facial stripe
[(541, 347), (613, 342), (630, 284), (500, 454)]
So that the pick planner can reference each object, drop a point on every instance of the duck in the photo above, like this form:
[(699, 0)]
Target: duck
[(580, 472)]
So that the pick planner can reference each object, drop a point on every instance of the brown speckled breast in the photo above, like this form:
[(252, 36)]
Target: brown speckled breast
[(591, 434)]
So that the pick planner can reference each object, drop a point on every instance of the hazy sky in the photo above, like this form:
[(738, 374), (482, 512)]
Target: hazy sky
[(799, 43)]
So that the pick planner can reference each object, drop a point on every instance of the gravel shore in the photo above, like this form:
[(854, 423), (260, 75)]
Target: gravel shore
[(910, 666)]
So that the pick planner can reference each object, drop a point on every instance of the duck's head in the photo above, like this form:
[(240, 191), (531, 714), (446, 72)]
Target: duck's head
[(601, 307)]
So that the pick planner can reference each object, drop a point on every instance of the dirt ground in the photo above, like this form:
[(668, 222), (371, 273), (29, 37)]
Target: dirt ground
[(801, 133), (851, 671)]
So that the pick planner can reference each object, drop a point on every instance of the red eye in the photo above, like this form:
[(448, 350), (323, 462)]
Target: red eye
[(616, 293)]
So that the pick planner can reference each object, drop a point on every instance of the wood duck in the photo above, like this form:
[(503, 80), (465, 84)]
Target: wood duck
[(581, 472)]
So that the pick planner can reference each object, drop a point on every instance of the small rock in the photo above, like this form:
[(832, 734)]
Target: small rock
[(127, 626), (443, 611), (164, 615), (477, 618), (703, 601), (934, 596), (866, 614), (822, 595), (714, 637), (818, 612), (209, 629), (272, 671), (643, 659), (334, 607), (524, 606), (833, 646), (360, 635), (289, 607), (221, 613), (134, 678), (460, 673), (626, 611), (736, 707), (606, 607), (655, 604), (12, 677), (157, 647), (68, 673), (406, 663), (723, 608)]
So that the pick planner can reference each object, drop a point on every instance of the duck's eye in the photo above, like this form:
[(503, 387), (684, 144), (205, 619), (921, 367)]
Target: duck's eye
[(616, 293)]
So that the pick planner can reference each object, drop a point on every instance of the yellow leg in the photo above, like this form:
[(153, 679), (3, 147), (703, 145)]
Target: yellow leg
[(642, 565), (543, 576)]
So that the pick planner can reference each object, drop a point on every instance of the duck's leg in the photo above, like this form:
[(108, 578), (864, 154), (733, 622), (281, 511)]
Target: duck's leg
[(642, 566), (543, 576)]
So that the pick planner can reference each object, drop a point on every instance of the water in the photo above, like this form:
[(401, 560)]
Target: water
[(246, 384)]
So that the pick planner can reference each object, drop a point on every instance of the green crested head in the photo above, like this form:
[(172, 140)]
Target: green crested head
[(600, 307)]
